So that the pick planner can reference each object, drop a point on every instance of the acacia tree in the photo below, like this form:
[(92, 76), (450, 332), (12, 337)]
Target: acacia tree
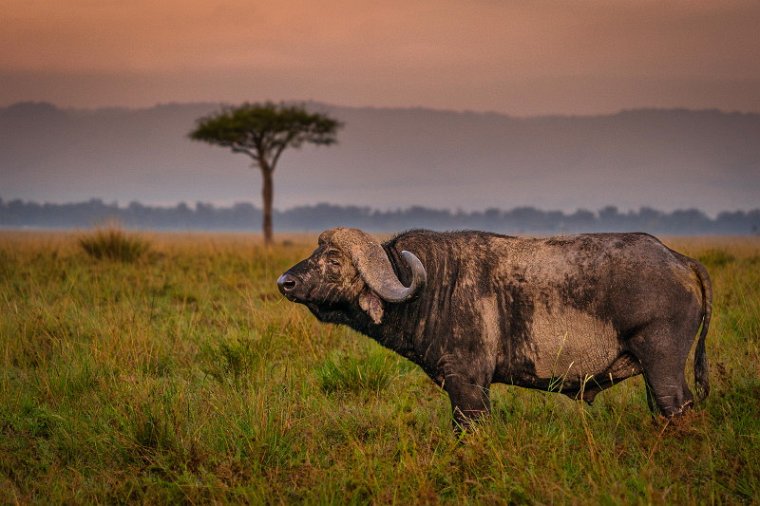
[(263, 131)]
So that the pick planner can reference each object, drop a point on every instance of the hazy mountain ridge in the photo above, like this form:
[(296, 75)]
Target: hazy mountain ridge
[(388, 158)]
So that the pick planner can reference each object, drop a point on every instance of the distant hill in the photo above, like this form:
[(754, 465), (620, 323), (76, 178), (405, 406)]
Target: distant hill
[(393, 158)]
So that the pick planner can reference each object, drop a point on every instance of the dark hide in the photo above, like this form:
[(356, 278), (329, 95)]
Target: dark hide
[(572, 314)]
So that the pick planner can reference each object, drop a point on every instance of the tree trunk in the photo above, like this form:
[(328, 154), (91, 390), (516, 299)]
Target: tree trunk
[(267, 192)]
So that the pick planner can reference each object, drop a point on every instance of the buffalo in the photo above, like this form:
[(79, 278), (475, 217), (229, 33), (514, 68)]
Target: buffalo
[(570, 314)]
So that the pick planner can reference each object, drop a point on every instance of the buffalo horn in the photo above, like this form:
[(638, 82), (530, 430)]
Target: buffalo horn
[(375, 268)]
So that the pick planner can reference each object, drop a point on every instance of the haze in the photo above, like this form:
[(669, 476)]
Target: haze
[(515, 57)]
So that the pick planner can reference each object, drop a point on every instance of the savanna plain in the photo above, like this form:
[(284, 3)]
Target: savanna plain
[(174, 372)]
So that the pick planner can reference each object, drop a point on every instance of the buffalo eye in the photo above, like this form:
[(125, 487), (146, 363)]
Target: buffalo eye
[(333, 258)]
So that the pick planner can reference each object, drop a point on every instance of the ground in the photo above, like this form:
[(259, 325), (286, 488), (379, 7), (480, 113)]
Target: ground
[(183, 376)]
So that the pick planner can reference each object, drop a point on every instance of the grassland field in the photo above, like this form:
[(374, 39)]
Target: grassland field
[(184, 377)]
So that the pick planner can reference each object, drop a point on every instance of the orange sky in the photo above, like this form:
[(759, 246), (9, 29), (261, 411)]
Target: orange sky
[(520, 57)]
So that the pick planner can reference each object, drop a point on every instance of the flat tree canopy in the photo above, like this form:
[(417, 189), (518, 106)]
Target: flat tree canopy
[(263, 131)]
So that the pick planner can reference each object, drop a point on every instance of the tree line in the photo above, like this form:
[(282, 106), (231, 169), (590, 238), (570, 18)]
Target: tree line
[(312, 218)]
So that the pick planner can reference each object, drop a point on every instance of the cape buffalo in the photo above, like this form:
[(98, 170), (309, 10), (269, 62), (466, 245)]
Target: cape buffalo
[(572, 314)]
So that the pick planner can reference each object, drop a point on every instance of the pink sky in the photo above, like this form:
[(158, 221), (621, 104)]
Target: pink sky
[(518, 57)]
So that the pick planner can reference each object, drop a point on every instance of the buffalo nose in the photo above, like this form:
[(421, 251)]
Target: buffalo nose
[(286, 283)]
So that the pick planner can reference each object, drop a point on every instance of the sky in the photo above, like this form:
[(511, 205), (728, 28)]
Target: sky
[(527, 57)]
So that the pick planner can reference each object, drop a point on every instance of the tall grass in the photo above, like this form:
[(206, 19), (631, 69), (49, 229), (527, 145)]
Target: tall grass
[(185, 378)]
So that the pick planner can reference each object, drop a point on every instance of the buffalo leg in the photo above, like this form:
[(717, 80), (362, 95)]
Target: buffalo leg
[(671, 394), (663, 360), (469, 401)]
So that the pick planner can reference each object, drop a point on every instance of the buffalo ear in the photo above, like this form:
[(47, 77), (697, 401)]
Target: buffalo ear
[(372, 305)]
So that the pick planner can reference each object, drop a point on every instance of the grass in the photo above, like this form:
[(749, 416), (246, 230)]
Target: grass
[(185, 378)]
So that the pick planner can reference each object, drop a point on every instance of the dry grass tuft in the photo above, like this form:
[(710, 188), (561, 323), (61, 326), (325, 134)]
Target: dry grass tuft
[(112, 243)]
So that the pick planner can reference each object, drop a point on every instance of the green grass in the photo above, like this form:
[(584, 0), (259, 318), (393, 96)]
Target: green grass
[(715, 258), (185, 378), (373, 373)]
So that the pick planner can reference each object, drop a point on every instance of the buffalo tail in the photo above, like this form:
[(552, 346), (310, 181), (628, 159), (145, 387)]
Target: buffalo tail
[(700, 357)]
